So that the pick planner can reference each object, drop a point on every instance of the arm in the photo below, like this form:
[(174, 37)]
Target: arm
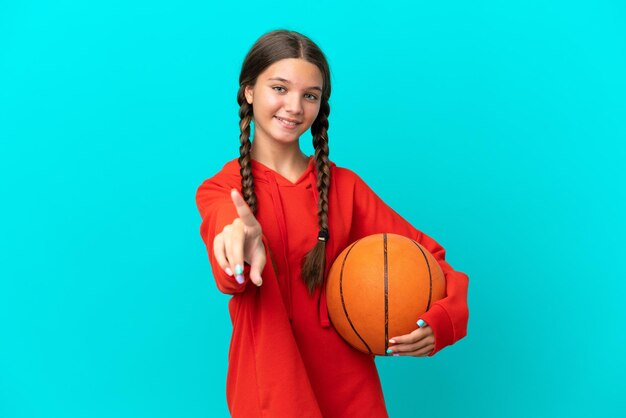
[(447, 317)]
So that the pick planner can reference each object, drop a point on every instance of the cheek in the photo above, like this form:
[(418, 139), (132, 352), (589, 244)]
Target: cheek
[(271, 104), (264, 108), (313, 111)]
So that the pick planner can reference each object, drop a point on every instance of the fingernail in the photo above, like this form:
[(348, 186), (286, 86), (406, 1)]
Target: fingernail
[(389, 351), (421, 323), (392, 341), (239, 278), (260, 282), (229, 271), (238, 269)]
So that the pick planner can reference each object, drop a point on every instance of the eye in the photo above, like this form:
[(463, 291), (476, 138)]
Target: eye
[(311, 96), (279, 89)]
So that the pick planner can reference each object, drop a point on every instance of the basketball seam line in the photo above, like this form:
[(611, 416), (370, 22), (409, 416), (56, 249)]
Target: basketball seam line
[(386, 272), (343, 303), (430, 276)]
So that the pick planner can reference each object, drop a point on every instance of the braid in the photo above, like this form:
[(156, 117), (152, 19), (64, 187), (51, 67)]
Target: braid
[(247, 181), (314, 262), (320, 142)]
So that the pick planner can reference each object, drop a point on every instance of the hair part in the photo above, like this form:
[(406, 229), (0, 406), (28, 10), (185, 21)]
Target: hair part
[(268, 49)]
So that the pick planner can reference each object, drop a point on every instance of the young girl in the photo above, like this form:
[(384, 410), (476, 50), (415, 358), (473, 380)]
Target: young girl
[(273, 220)]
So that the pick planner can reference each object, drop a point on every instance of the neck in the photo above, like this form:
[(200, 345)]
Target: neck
[(279, 157)]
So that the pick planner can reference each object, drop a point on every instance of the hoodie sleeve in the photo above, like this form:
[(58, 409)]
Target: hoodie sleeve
[(217, 210), (447, 317)]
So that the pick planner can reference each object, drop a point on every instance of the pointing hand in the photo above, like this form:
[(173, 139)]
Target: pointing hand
[(241, 242)]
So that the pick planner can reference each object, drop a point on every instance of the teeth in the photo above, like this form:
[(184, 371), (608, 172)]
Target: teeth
[(286, 121)]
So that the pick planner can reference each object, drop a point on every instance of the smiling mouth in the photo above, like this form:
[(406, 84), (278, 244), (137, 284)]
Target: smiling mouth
[(287, 121)]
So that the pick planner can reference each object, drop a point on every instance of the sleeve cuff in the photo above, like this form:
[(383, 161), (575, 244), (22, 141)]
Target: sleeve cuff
[(441, 324)]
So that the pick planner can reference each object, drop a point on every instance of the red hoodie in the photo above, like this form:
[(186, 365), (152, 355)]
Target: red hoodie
[(285, 359)]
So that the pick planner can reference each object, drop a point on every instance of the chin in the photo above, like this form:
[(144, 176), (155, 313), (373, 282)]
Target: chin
[(288, 138)]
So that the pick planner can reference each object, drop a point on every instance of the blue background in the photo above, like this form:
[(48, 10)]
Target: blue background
[(498, 128)]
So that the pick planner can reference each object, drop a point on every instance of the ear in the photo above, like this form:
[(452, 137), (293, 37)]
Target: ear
[(248, 92)]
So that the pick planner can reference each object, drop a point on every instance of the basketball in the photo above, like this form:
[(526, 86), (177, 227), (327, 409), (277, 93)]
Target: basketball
[(378, 287)]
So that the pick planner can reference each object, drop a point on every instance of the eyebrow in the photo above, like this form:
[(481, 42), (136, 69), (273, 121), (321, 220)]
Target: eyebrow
[(289, 82)]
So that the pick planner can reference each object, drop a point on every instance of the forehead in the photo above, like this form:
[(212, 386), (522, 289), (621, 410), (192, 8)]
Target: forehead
[(297, 70)]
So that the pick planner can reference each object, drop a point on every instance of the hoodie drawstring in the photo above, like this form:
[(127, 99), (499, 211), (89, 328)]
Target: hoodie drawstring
[(282, 227)]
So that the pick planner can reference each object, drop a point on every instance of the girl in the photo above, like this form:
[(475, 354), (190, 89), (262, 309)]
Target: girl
[(276, 204)]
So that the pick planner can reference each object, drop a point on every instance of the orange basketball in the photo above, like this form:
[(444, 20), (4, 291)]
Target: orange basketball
[(378, 287)]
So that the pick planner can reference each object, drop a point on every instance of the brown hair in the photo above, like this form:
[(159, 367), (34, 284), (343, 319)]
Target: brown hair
[(268, 49)]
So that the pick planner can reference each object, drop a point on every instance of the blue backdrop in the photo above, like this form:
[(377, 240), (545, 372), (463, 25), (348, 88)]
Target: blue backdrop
[(496, 128)]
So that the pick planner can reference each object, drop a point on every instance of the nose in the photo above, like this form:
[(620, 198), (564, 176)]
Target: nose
[(293, 103)]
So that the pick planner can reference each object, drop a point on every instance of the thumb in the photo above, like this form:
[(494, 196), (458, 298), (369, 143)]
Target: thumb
[(257, 264)]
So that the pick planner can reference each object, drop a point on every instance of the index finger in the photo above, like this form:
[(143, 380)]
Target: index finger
[(243, 210)]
